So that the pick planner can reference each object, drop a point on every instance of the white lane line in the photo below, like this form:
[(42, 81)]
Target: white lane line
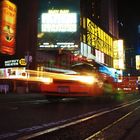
[(75, 122), (112, 124), (46, 126)]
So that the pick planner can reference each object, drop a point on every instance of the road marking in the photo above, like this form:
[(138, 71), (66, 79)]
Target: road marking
[(110, 125), (60, 124), (75, 122)]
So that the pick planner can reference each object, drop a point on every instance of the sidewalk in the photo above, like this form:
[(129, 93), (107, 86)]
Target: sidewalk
[(20, 97)]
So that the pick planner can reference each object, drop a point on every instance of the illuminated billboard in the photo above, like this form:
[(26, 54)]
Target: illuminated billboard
[(7, 27), (15, 62), (138, 62), (119, 55), (59, 21), (59, 25)]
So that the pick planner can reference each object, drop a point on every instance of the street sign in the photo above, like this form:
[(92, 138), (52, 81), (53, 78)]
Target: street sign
[(28, 58)]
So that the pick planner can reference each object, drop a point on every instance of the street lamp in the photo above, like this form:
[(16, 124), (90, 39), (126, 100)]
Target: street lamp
[(28, 59)]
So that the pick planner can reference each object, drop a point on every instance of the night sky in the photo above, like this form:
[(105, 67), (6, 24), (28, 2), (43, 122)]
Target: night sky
[(129, 19), (49, 4)]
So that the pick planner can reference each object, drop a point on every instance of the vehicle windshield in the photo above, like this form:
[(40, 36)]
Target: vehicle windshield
[(83, 68)]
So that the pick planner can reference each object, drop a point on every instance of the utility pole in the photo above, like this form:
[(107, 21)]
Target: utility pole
[(28, 59)]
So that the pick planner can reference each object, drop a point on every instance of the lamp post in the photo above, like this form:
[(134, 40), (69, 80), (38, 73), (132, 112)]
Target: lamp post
[(28, 59), (128, 78)]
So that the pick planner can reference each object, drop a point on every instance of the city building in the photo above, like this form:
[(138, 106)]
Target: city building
[(136, 56), (69, 32), (55, 33)]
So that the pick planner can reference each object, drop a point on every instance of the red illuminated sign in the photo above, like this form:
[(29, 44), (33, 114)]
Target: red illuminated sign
[(7, 27)]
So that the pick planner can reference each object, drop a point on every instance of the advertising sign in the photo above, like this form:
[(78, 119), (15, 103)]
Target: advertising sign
[(7, 27), (15, 62), (119, 55), (59, 25), (55, 21), (138, 62)]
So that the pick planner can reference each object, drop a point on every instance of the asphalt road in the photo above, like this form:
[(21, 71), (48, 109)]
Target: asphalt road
[(129, 129)]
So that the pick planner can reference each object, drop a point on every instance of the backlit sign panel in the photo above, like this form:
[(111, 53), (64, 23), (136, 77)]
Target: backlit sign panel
[(59, 25), (119, 55), (138, 62), (15, 62), (7, 27), (59, 21)]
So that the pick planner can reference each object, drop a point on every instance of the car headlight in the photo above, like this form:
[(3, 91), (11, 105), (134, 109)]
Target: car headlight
[(46, 80), (87, 79)]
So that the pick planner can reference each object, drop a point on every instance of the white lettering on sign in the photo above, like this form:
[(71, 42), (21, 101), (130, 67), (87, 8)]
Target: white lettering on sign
[(58, 11), (59, 21), (59, 44), (12, 62)]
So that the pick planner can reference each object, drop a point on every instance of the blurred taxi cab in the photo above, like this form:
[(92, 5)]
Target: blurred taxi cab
[(81, 80)]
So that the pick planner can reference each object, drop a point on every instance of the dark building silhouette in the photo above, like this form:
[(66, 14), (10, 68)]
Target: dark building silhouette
[(102, 12), (27, 28)]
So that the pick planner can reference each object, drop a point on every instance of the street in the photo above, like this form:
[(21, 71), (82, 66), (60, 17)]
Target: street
[(26, 114)]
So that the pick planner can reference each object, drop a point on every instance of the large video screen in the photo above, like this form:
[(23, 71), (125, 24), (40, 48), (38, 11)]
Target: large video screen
[(55, 21), (59, 24)]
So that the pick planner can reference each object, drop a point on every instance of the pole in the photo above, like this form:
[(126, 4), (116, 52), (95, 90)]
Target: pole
[(27, 68)]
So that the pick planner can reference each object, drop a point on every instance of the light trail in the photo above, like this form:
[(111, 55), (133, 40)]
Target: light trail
[(47, 77)]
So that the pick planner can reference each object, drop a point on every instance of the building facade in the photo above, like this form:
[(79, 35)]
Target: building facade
[(77, 31), (57, 33)]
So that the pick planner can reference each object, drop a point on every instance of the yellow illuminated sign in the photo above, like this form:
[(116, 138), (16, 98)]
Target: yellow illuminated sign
[(138, 62), (22, 62), (118, 61), (99, 39)]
